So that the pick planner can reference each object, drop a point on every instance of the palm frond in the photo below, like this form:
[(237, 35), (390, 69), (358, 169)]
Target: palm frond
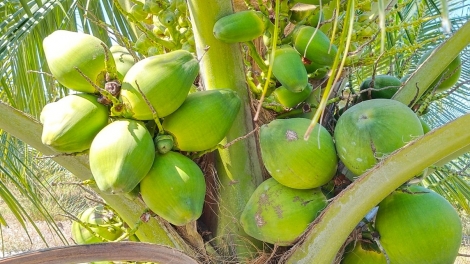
[(20, 184), (451, 180)]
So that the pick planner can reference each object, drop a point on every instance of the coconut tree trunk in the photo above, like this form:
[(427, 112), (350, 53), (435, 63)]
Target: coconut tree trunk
[(238, 169)]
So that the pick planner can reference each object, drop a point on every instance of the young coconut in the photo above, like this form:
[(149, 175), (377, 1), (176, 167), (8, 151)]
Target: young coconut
[(362, 252), (293, 161), (449, 77), (290, 99), (104, 226), (314, 45), (70, 124), (278, 214), (66, 50), (372, 129), (123, 59), (289, 69), (385, 86), (121, 155), (417, 225), (164, 79), (240, 26), (203, 119), (174, 188)]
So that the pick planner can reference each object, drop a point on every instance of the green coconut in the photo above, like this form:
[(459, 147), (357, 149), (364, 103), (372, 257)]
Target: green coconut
[(289, 69), (417, 225), (174, 188), (103, 224), (240, 26), (203, 119), (314, 45), (278, 214), (287, 98), (369, 131), (123, 59), (385, 86), (66, 50), (362, 252), (301, 14), (70, 124), (164, 79), (426, 127), (449, 77), (121, 155), (293, 161)]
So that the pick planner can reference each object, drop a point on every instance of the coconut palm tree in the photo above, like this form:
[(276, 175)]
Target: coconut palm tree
[(26, 87)]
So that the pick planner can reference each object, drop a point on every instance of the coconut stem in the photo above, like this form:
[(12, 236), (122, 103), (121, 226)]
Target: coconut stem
[(115, 109), (131, 232), (152, 109), (256, 57), (110, 66)]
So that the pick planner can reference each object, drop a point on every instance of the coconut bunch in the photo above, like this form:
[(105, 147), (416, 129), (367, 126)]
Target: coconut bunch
[(303, 178), (97, 224), (304, 174), (166, 23), (137, 121)]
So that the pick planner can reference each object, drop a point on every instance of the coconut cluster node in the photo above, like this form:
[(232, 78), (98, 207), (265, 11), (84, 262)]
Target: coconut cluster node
[(114, 120)]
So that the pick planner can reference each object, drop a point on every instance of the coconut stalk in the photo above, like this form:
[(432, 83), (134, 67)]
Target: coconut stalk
[(28, 130), (322, 241), (238, 166)]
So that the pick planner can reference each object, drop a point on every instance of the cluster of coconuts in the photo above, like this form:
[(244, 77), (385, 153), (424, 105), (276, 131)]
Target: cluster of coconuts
[(411, 211), (282, 207), (167, 23), (136, 120), (303, 55), (97, 224)]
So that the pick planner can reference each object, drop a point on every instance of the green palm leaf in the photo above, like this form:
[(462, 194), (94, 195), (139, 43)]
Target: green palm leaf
[(450, 180)]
